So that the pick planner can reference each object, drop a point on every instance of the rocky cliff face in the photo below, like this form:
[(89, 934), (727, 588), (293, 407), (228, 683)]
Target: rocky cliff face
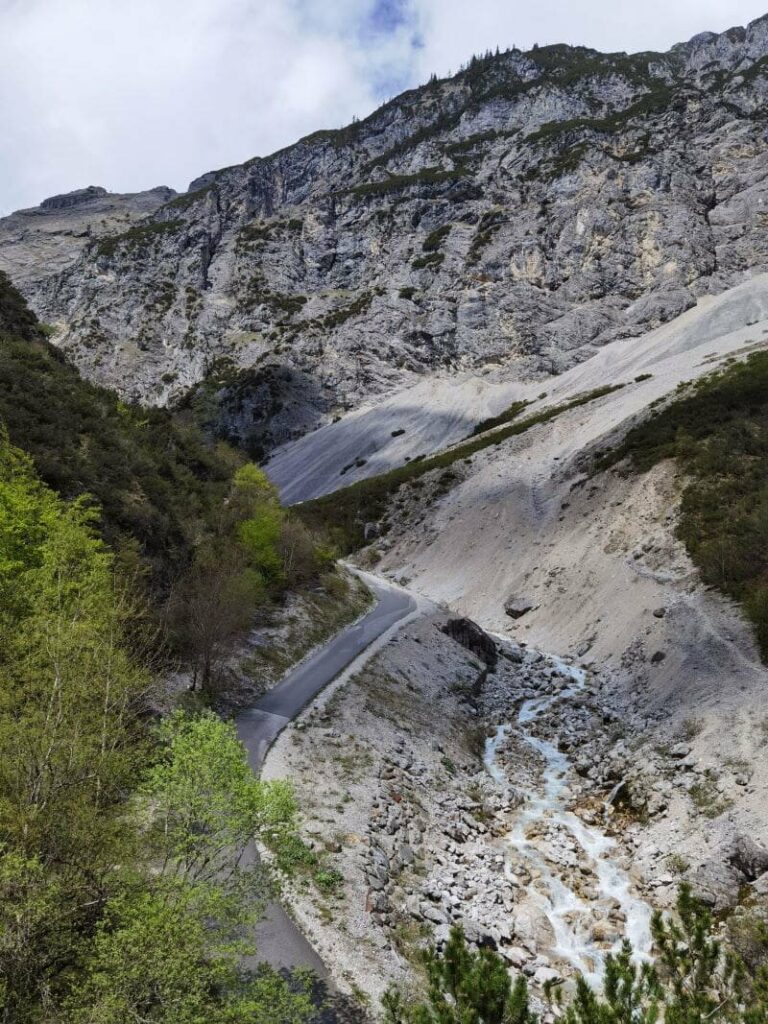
[(523, 213), (46, 240)]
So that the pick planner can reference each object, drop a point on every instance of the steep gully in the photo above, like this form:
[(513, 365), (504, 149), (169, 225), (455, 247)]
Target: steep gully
[(278, 937)]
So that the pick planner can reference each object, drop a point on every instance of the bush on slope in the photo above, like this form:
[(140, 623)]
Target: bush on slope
[(717, 429)]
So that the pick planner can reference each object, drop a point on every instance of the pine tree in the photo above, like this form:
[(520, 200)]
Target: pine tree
[(464, 986)]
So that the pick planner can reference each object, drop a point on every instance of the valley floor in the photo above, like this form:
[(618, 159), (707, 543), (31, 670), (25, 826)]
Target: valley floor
[(553, 839)]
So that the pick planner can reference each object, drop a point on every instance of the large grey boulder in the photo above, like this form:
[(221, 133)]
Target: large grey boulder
[(717, 883), (749, 858), (518, 605), (474, 638)]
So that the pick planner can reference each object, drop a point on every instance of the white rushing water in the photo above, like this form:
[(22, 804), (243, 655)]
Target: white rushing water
[(569, 914)]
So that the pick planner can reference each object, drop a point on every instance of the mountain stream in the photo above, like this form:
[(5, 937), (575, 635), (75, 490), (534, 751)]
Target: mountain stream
[(570, 915)]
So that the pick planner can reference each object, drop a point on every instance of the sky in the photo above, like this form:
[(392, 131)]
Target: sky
[(129, 94)]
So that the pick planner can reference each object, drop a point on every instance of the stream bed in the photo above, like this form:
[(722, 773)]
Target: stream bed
[(577, 923)]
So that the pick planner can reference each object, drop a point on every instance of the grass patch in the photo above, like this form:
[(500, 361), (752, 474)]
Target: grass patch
[(706, 799), (509, 414), (137, 238), (299, 862), (677, 863), (692, 727), (292, 855), (343, 514), (717, 430)]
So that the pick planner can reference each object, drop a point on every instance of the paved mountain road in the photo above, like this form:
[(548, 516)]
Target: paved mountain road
[(280, 942)]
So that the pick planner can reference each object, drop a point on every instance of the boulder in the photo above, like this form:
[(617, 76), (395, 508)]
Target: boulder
[(547, 976), (405, 856), (477, 935), (470, 635), (748, 858), (515, 955), (717, 884), (518, 605)]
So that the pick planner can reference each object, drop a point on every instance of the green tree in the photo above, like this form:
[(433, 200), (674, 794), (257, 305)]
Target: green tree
[(123, 894), (169, 949), (70, 736), (464, 986), (703, 981), (210, 606), (157, 958), (631, 994), (694, 979), (204, 804)]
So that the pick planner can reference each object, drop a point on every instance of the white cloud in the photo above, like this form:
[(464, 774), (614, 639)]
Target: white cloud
[(133, 94)]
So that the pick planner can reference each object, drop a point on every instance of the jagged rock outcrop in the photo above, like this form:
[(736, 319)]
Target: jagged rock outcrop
[(77, 198), (749, 858), (528, 210), (41, 243)]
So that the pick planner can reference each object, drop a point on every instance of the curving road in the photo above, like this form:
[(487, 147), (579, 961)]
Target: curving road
[(280, 942)]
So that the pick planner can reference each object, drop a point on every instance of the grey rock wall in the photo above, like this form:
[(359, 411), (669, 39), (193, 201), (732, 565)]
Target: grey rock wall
[(521, 214)]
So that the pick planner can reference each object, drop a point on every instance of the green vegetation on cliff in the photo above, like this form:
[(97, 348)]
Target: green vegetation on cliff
[(155, 479), (717, 430)]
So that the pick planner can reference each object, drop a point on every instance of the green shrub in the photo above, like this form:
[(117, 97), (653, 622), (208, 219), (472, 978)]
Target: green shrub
[(399, 182), (139, 237), (432, 259), (328, 881), (435, 238), (718, 432), (509, 414)]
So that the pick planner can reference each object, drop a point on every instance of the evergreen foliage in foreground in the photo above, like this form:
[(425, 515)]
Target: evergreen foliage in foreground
[(693, 979)]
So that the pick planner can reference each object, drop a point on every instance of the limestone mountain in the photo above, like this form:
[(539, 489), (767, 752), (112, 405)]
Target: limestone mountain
[(44, 241), (518, 215)]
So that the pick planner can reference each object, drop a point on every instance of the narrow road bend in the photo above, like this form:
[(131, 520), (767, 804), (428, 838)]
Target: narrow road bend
[(280, 941)]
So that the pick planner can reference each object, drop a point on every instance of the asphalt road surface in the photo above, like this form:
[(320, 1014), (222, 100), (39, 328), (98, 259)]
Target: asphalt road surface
[(279, 940)]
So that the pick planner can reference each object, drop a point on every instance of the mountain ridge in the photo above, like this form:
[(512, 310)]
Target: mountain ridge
[(515, 217)]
